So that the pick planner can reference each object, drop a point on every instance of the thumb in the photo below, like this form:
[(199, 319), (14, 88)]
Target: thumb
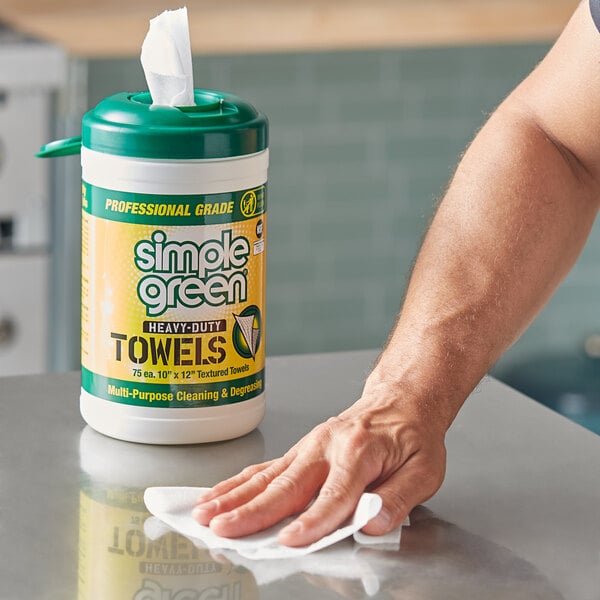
[(404, 490)]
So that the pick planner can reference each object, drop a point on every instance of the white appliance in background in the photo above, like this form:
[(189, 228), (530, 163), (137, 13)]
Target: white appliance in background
[(31, 74)]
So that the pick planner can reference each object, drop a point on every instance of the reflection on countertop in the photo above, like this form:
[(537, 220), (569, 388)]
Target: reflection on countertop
[(436, 560), (116, 560)]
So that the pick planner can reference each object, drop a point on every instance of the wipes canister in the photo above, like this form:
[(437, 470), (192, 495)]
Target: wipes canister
[(173, 267)]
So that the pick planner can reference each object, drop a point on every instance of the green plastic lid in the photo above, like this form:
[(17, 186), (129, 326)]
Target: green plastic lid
[(126, 124)]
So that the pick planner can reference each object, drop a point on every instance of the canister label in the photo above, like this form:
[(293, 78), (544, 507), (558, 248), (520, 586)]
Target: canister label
[(173, 292)]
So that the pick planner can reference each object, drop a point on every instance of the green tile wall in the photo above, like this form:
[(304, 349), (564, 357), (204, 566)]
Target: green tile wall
[(362, 145)]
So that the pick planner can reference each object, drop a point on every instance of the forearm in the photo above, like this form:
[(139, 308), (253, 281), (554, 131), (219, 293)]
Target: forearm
[(515, 217), (512, 223)]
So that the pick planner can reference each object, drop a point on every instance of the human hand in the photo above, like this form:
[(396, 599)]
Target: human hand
[(393, 450)]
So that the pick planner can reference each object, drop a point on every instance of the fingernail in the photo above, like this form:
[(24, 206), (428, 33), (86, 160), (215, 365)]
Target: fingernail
[(205, 506), (199, 511)]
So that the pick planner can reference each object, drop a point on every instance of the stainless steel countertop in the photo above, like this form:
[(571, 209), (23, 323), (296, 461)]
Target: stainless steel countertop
[(517, 517)]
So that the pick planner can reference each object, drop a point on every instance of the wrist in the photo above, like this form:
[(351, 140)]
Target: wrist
[(412, 394)]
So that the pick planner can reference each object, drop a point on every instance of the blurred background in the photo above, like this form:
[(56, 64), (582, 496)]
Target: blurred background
[(370, 107)]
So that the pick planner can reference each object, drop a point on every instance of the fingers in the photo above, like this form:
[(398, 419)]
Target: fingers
[(229, 484), (287, 493), (238, 490), (334, 504), (411, 485)]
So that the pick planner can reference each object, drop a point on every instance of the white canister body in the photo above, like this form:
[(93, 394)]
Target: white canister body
[(173, 288)]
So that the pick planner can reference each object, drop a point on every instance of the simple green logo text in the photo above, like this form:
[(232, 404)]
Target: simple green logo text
[(187, 274)]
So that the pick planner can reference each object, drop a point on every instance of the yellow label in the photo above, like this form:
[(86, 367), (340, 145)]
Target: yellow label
[(173, 296)]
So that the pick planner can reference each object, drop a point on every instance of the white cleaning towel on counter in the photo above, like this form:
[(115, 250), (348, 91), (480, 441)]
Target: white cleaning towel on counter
[(174, 505)]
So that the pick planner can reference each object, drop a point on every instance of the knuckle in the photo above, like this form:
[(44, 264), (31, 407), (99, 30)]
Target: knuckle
[(327, 429), (261, 478), (359, 439), (285, 484), (332, 421), (289, 457), (335, 491), (249, 471)]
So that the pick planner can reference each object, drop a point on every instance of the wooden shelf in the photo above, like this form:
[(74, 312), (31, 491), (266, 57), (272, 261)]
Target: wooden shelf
[(104, 28)]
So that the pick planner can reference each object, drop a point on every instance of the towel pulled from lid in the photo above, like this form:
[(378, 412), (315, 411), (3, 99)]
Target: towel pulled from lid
[(167, 59)]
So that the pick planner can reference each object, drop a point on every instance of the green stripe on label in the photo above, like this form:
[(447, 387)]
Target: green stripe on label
[(155, 209), (176, 395)]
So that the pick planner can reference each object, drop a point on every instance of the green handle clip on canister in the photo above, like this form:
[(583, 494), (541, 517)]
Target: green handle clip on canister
[(173, 267)]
